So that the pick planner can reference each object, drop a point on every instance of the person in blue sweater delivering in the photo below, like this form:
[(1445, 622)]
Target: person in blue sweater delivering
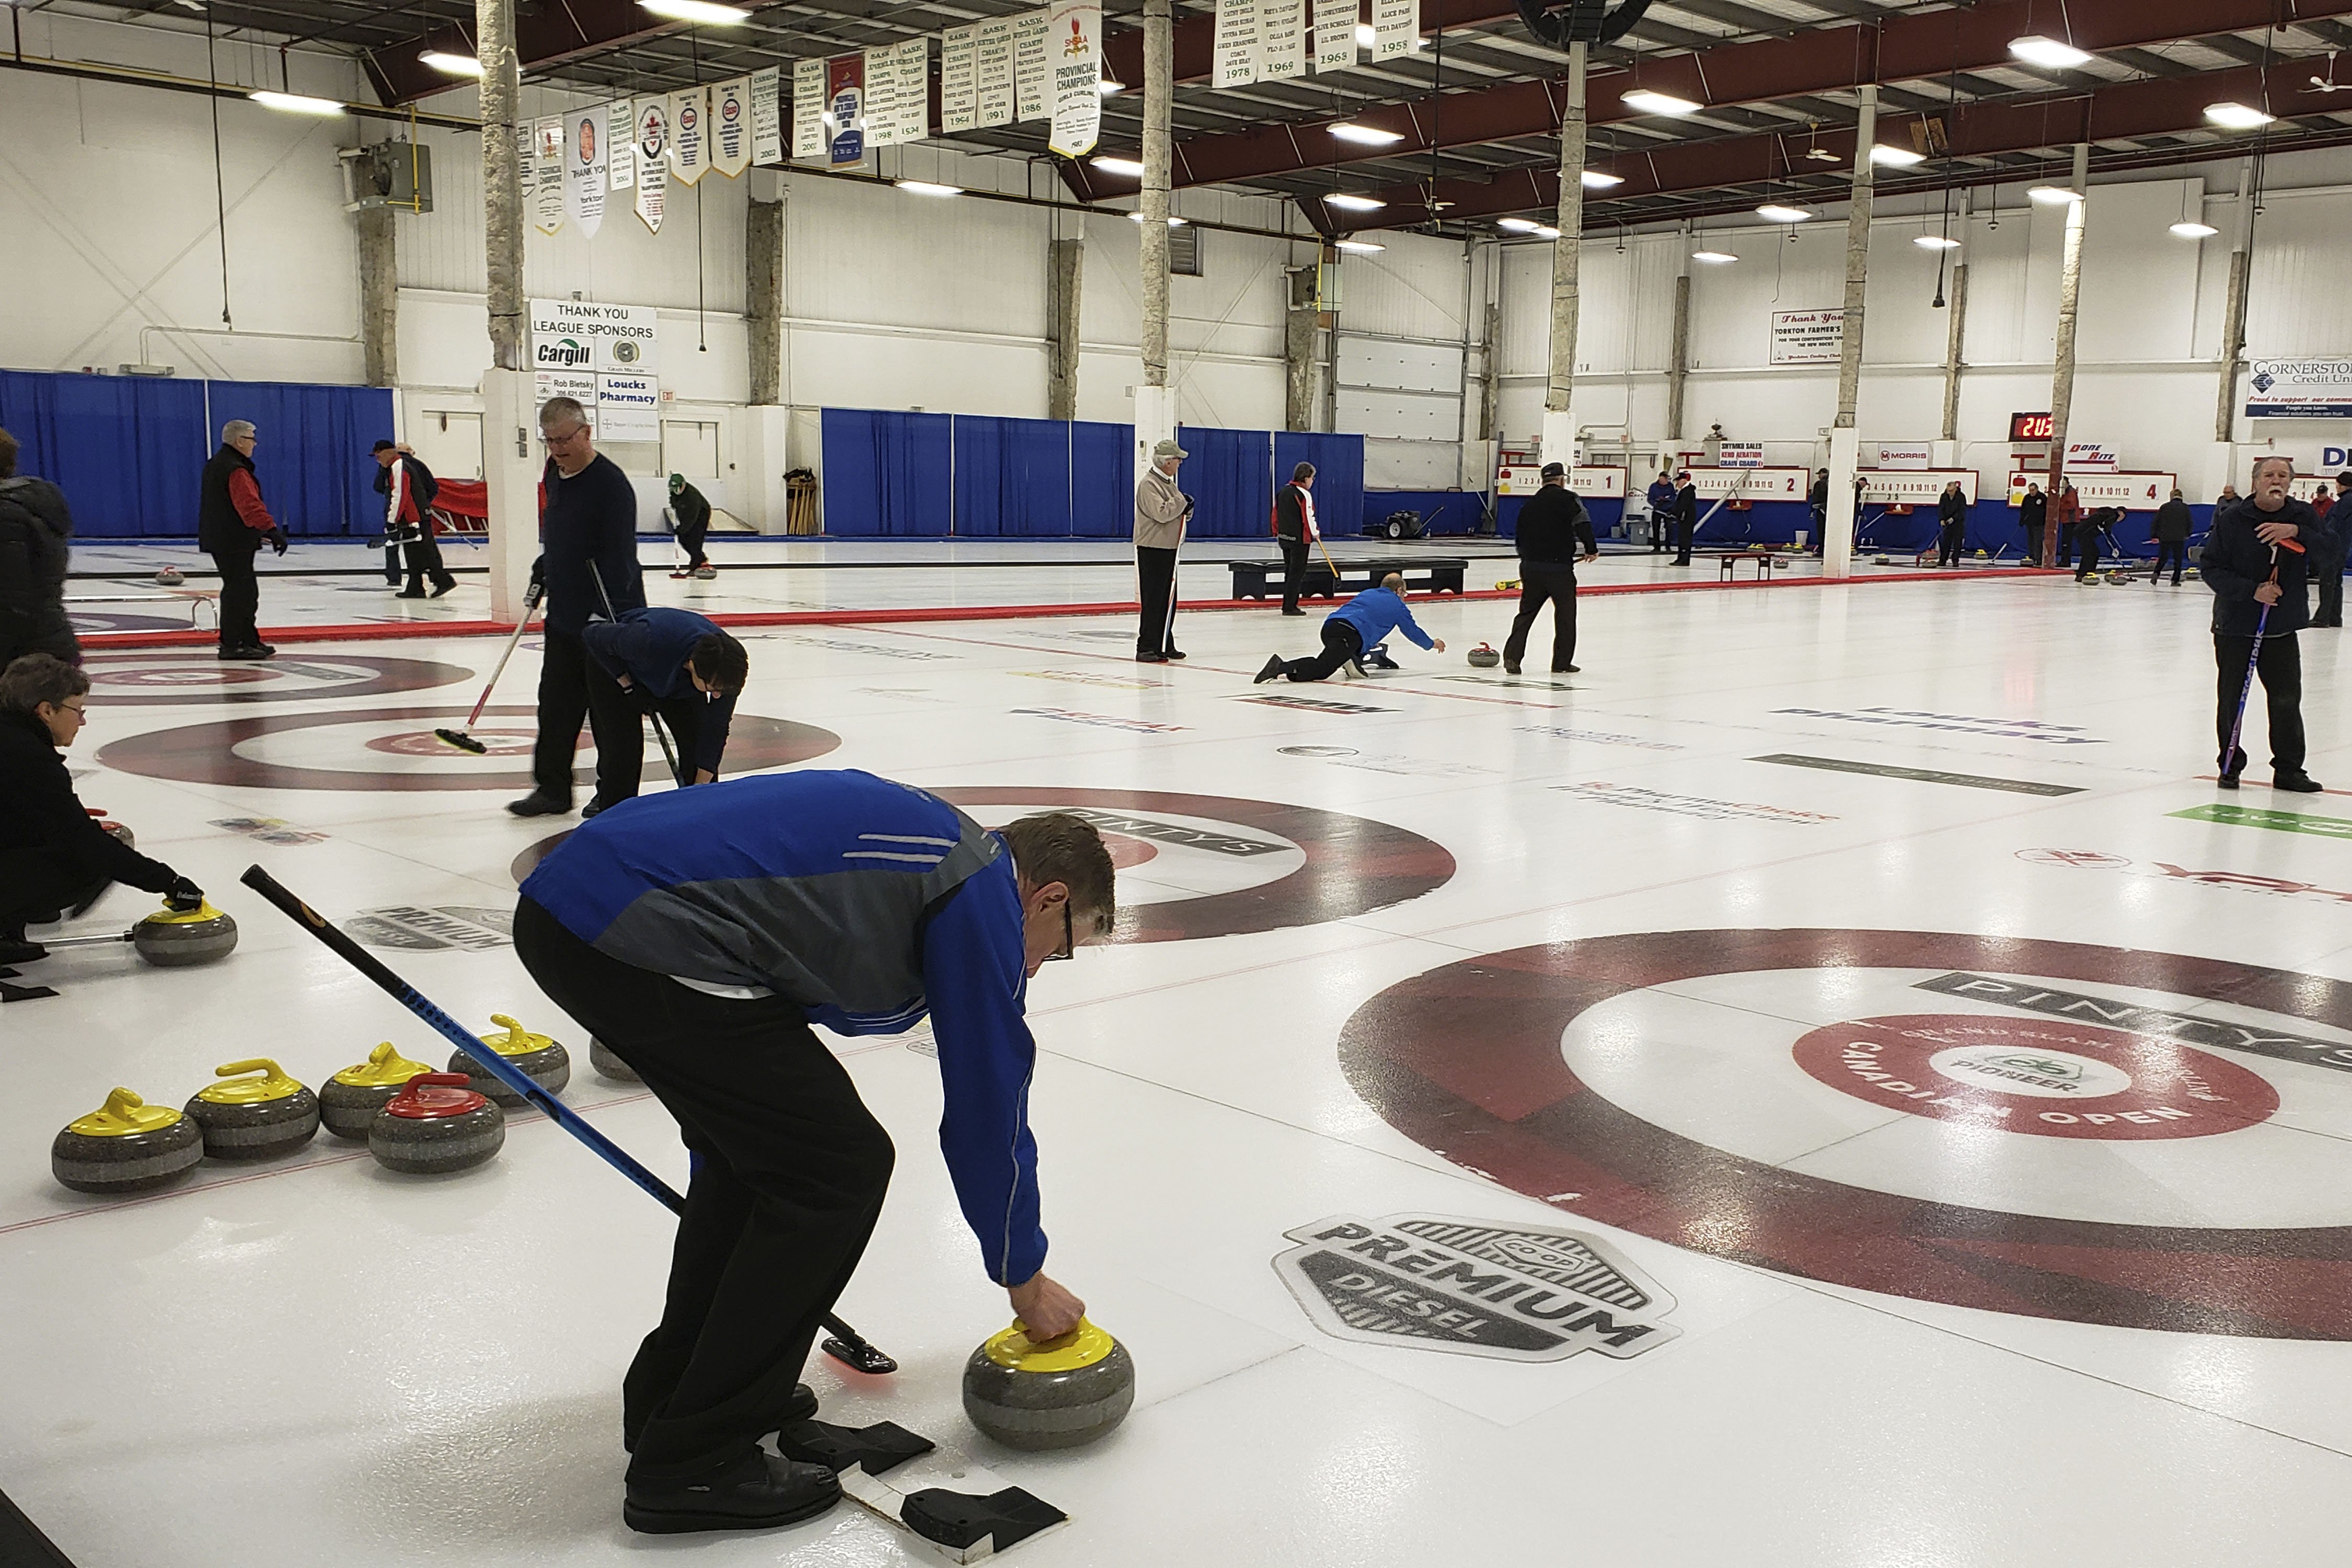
[(1361, 623), (698, 933), (678, 666)]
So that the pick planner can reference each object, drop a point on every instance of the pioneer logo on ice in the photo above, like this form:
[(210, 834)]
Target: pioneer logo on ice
[(1436, 1283)]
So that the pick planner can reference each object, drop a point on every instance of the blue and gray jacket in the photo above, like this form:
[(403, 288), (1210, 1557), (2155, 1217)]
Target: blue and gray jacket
[(1375, 613), (866, 902)]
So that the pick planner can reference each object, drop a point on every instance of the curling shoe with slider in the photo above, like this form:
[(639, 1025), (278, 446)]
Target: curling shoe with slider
[(759, 1491), (2296, 784)]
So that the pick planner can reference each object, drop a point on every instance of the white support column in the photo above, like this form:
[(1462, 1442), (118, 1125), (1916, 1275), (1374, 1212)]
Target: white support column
[(1566, 251), (2234, 319), (2061, 373), (509, 426), (1837, 527), (1155, 399)]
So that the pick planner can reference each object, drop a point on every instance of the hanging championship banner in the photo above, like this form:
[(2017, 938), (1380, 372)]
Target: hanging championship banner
[(620, 138), (1076, 32), (959, 80), (808, 108), (1396, 26), (845, 109), (767, 116), (730, 127), (1029, 66), (882, 97), (1235, 50), (1335, 34), (544, 174), (652, 135), (914, 89), (992, 68), (1281, 39), (584, 167), (689, 134)]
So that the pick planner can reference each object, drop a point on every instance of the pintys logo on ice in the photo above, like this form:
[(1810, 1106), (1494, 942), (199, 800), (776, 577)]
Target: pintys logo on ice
[(1474, 1287)]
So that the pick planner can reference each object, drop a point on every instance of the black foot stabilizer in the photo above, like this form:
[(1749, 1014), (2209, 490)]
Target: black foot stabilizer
[(959, 1520), (873, 1449)]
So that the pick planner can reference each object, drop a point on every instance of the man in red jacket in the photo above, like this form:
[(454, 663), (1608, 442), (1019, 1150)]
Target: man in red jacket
[(231, 525), (408, 489), (1294, 526)]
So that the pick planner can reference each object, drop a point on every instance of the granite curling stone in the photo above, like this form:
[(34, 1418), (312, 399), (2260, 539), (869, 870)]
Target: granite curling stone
[(607, 1065), (170, 939), (436, 1125), (544, 1061), (169, 577), (349, 1101), (249, 1118), (1054, 1394), (705, 574), (1485, 657), (126, 1146)]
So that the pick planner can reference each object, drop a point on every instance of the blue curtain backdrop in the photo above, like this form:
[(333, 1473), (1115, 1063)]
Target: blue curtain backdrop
[(1102, 480), (1229, 473), (1338, 475), (886, 474), (127, 450), (1011, 477)]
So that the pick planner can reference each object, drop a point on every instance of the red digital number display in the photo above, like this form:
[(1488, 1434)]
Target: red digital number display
[(2029, 427)]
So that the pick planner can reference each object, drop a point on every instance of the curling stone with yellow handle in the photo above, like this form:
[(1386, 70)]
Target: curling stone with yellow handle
[(349, 1101), (1051, 1393), (173, 939), (126, 1146), (251, 1117), (436, 1125), (542, 1061), (608, 1063)]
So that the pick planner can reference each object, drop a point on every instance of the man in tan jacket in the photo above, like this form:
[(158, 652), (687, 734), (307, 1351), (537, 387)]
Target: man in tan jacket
[(1161, 512)]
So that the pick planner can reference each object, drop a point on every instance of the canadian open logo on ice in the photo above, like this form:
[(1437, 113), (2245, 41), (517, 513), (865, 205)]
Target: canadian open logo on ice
[(1476, 1287)]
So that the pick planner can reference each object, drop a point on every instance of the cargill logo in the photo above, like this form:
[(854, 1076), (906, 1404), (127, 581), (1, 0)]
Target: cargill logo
[(564, 352)]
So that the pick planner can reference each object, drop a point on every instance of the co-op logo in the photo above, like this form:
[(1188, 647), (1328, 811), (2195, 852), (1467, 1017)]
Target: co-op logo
[(564, 352)]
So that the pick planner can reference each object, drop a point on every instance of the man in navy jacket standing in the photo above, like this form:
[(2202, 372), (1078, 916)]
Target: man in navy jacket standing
[(698, 933), (588, 559), (2255, 560)]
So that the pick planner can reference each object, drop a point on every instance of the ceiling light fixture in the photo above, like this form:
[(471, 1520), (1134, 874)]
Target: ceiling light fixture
[(929, 188), (1714, 258), (2036, 50), (1173, 221), (1361, 246), (1594, 180), (295, 102), (1545, 231), (450, 65), (1773, 212), (2053, 195), (2190, 230), (1353, 202), (1641, 101), (1125, 168), (1364, 135), (1518, 225), (1110, 89), (1365, 37), (1935, 242), (697, 11), (2237, 117), (1896, 157)]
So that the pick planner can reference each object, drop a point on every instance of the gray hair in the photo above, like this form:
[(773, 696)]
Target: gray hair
[(236, 430), (556, 410), (2275, 457)]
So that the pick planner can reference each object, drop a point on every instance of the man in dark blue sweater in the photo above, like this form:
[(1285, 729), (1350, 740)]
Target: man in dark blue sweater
[(2255, 560), (1554, 532), (698, 933), (676, 665), (588, 559)]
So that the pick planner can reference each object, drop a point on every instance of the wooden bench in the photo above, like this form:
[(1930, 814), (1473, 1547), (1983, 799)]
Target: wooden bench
[(1767, 559), (1263, 579)]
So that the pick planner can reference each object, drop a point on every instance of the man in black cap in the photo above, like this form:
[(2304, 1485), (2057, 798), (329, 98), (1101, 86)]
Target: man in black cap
[(1685, 515), (2254, 561), (408, 487), (1555, 532), (2170, 531)]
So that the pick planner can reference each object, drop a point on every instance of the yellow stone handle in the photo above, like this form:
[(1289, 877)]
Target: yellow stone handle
[(516, 1033)]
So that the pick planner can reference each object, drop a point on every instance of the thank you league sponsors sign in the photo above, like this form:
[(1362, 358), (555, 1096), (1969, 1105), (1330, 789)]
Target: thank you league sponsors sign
[(574, 335), (1808, 337), (2300, 389)]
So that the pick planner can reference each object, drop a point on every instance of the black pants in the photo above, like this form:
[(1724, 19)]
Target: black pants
[(689, 539), (1294, 569), (2175, 551), (2328, 573), (47, 887), (392, 563), (1683, 527), (567, 695), (2066, 543), (621, 772), (2281, 669), (1342, 642), (2086, 544), (425, 561), (789, 1174), (2034, 534), (240, 599), (1542, 583), (1948, 548), (1155, 575)]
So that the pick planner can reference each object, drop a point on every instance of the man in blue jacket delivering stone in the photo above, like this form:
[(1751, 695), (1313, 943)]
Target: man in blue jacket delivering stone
[(698, 934), (1361, 623)]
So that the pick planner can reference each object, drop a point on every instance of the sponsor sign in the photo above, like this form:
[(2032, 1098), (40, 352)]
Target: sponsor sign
[(1077, 37), (1100, 720), (2090, 457), (1160, 832), (584, 170), (731, 126), (1410, 767), (1598, 737), (2278, 886), (1914, 487), (575, 334), (620, 144), (808, 109), (1334, 33), (1691, 805), (1917, 775), (269, 830), (1962, 724), (845, 109), (1527, 478), (768, 116), (2055, 1002), (2276, 821), (1313, 704), (2133, 493), (628, 408), (408, 928), (1808, 337), (1739, 455), (580, 385), (1503, 1289), (1911, 455), (2300, 389), (839, 645), (960, 80)]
